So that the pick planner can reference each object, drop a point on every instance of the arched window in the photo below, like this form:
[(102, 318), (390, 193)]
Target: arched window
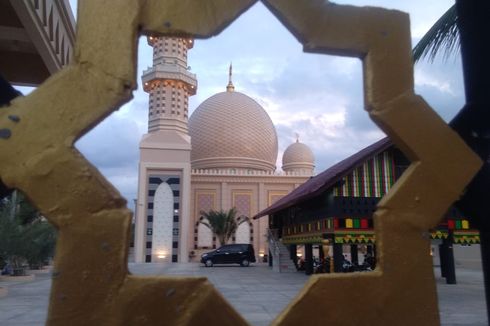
[(242, 234), (204, 236), (162, 223)]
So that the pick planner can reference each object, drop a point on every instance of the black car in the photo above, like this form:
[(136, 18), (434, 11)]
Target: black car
[(237, 253)]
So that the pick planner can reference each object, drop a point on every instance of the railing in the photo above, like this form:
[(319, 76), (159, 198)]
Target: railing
[(272, 237), (235, 172)]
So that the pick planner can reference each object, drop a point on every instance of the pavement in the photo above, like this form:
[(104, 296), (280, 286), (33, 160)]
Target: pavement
[(256, 292)]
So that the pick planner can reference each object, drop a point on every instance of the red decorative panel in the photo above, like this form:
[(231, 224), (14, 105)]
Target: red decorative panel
[(450, 224), (364, 223)]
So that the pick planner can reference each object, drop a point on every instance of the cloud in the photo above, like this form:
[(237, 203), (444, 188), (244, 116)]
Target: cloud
[(318, 96), (112, 147), (441, 85)]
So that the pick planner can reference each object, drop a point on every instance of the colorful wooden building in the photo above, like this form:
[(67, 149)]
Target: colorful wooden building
[(335, 208)]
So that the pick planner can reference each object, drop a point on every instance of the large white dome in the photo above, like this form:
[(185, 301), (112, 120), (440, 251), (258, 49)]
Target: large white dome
[(231, 130)]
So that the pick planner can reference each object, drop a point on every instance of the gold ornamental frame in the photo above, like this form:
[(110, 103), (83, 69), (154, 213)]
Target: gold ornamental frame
[(91, 284)]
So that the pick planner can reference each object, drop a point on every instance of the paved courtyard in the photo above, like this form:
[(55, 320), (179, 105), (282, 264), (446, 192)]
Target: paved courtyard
[(258, 293)]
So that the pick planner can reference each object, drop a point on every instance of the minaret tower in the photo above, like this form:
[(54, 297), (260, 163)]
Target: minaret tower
[(169, 84), (163, 205)]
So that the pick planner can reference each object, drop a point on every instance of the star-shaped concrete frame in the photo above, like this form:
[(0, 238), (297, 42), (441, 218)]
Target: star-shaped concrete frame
[(91, 284)]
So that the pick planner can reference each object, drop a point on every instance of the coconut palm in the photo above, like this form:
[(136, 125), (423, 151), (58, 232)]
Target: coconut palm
[(222, 223), (444, 34)]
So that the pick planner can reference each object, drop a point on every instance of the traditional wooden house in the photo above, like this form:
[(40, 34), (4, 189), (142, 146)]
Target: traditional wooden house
[(335, 210)]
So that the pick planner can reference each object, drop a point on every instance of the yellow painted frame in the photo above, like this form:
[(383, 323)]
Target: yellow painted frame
[(248, 193), (197, 193), (91, 283), (197, 211), (272, 193)]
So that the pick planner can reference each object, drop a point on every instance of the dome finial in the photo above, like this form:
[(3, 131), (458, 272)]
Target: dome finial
[(297, 137), (230, 87)]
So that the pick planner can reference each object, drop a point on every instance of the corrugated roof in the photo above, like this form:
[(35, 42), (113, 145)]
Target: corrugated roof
[(317, 184)]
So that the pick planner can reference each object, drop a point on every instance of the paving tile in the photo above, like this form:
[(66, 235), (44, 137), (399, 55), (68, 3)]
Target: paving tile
[(257, 292)]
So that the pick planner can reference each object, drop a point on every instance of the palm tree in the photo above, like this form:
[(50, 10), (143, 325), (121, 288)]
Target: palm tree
[(444, 34), (223, 223)]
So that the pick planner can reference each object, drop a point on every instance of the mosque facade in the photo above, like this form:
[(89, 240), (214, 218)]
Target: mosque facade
[(222, 156)]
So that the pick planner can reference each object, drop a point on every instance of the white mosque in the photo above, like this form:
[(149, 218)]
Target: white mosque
[(223, 156)]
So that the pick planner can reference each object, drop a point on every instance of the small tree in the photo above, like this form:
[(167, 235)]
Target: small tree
[(11, 244), (222, 223), (25, 236)]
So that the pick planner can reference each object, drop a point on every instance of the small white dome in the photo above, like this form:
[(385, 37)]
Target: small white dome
[(298, 158)]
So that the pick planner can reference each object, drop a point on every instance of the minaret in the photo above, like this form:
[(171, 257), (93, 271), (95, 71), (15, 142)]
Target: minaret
[(164, 180), (169, 84)]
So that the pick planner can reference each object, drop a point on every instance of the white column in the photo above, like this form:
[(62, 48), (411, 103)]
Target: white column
[(140, 220), (262, 222), (185, 209), (225, 197)]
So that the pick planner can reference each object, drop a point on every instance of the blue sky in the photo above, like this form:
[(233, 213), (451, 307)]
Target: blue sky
[(317, 96)]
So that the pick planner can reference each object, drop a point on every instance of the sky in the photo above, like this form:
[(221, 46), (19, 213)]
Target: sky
[(316, 96)]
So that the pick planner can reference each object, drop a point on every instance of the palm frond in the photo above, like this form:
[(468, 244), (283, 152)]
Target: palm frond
[(242, 219), (444, 34), (222, 223), (206, 224)]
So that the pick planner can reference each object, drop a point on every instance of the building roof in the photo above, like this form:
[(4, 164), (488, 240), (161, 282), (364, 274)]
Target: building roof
[(33, 47), (316, 185)]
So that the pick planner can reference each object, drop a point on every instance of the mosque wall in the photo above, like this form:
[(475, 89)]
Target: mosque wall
[(244, 201), (163, 220), (275, 195), (233, 155), (162, 216), (153, 155), (248, 195), (204, 200), (162, 223)]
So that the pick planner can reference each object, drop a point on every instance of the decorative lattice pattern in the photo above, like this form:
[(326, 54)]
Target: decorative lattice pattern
[(203, 235), (242, 204), (230, 126), (299, 154)]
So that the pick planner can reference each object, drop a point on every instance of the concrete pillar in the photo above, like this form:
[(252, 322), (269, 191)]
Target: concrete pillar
[(338, 257), (450, 270), (353, 254), (140, 219), (442, 261), (263, 222), (308, 259), (185, 214), (225, 197), (292, 254)]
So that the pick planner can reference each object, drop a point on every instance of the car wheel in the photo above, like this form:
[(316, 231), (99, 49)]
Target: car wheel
[(245, 263), (208, 263)]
